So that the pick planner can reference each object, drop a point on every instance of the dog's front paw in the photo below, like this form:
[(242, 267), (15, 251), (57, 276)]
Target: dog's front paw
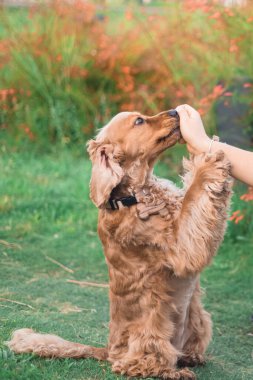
[(218, 161), (217, 174), (212, 172), (212, 162)]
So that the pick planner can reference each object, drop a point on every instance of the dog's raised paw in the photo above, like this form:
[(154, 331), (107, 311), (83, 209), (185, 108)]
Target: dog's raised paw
[(214, 157)]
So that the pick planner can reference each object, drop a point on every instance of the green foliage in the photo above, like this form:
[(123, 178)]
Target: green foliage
[(68, 67), (45, 212)]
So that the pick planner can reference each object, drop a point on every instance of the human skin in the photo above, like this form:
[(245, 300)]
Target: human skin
[(194, 134)]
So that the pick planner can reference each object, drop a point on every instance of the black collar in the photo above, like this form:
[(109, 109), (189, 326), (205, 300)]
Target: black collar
[(114, 204)]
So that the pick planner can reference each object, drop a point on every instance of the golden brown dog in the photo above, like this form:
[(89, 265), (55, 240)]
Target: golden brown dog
[(155, 250)]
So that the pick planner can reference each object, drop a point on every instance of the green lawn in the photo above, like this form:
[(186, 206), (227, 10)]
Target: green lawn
[(45, 213)]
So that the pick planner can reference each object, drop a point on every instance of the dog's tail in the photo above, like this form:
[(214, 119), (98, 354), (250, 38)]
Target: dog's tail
[(45, 345)]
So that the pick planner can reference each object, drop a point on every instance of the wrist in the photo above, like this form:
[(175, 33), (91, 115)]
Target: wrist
[(203, 145)]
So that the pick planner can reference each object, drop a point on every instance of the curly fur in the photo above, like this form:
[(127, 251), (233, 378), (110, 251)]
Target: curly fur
[(155, 251)]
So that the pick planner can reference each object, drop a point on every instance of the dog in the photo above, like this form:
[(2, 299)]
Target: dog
[(157, 238)]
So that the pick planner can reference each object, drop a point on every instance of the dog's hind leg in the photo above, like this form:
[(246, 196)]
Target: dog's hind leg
[(158, 358), (45, 345), (199, 332), (151, 366)]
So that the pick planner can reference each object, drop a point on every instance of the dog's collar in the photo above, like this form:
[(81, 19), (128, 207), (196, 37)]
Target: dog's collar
[(116, 204)]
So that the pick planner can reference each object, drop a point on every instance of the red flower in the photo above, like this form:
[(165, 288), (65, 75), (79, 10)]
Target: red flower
[(228, 93), (247, 85)]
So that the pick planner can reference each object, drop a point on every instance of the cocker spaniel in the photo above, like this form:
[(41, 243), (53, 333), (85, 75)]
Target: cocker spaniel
[(157, 239)]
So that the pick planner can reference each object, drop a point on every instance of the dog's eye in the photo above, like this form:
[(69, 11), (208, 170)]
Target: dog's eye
[(139, 121)]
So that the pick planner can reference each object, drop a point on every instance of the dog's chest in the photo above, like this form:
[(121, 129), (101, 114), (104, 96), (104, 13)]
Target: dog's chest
[(183, 290)]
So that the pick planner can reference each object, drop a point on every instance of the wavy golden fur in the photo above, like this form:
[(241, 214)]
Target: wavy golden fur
[(154, 250)]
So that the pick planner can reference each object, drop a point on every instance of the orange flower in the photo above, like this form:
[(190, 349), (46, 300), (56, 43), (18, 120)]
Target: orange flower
[(234, 215), (215, 16), (27, 131), (248, 196), (233, 46), (126, 69), (229, 12), (238, 219), (5, 92), (179, 94), (129, 15), (201, 111)]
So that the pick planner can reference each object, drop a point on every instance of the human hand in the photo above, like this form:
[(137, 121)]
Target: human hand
[(192, 129)]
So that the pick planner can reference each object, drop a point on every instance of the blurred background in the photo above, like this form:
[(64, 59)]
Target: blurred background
[(66, 67)]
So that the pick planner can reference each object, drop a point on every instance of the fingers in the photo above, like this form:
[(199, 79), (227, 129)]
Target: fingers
[(183, 112), (192, 129), (186, 111)]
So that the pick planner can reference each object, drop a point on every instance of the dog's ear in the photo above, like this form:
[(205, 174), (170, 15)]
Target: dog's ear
[(106, 171)]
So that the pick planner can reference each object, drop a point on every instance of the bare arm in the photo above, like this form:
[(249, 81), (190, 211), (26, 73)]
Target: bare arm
[(194, 134), (241, 161)]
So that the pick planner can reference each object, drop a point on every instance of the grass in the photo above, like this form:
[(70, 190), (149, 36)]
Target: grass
[(45, 212)]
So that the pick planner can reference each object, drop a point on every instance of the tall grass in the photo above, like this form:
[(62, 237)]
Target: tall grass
[(66, 68)]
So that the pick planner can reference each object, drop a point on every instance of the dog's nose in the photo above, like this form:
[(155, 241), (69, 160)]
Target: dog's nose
[(173, 113)]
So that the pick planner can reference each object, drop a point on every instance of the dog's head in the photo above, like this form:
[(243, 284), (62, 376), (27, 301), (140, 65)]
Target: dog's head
[(129, 144)]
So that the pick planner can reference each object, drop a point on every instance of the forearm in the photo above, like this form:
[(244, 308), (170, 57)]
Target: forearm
[(194, 134), (241, 161)]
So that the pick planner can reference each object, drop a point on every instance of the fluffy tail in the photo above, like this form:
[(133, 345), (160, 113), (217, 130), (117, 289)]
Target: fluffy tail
[(45, 345)]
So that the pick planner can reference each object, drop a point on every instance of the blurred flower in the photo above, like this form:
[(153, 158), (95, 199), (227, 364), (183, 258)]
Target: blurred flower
[(129, 15), (236, 217), (201, 111), (239, 218), (126, 69), (218, 90), (229, 12), (6, 92), (179, 93), (27, 131), (216, 15), (248, 196), (193, 5), (233, 48)]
